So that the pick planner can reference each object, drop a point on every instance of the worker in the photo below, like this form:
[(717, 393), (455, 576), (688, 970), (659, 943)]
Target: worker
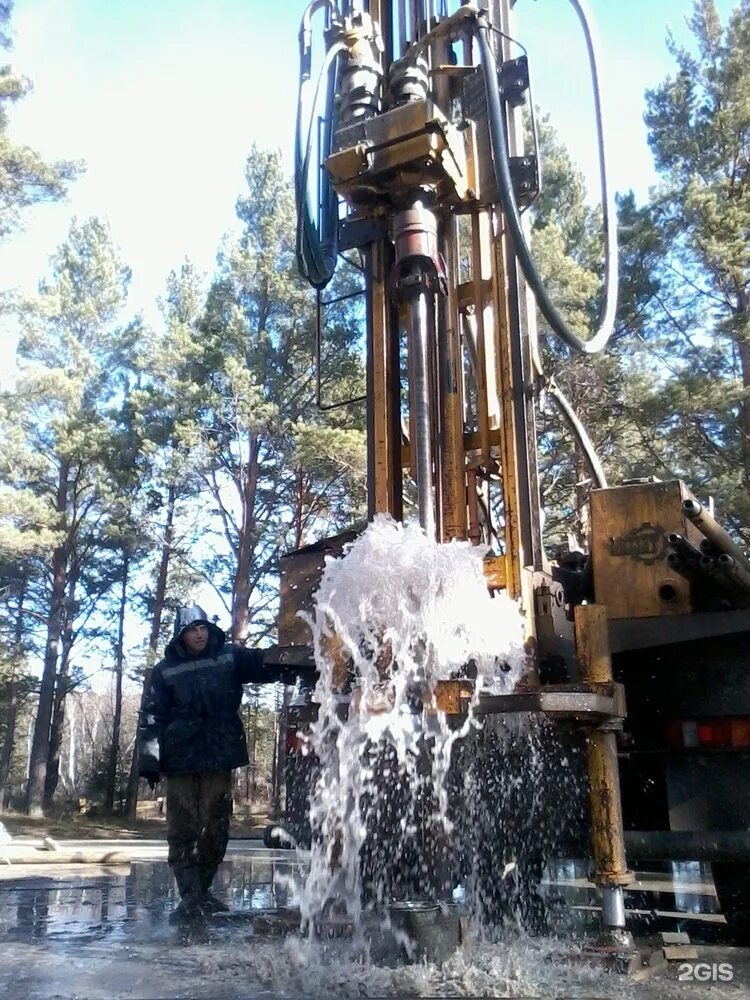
[(190, 731)]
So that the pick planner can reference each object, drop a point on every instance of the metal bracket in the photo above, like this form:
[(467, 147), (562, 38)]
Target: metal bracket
[(553, 630), (354, 233), (575, 702), (563, 702), (524, 172), (513, 78), (290, 656)]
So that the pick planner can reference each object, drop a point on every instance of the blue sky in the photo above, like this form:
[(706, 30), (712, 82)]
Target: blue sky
[(162, 99)]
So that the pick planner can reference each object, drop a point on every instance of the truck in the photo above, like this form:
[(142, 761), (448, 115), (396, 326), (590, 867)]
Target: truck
[(411, 159)]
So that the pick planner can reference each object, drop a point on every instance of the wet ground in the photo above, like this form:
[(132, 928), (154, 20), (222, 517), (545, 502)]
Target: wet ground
[(96, 932)]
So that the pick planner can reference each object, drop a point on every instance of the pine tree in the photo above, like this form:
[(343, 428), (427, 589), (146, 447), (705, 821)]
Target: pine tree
[(699, 123), (270, 462), (69, 349), (25, 177), (166, 409), (567, 242)]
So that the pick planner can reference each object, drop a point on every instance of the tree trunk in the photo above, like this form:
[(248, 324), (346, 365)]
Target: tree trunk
[(114, 750), (94, 748), (72, 747), (10, 718), (299, 504), (159, 597), (744, 350), (29, 736), (10, 736), (52, 776), (242, 589), (255, 709), (40, 742), (583, 501)]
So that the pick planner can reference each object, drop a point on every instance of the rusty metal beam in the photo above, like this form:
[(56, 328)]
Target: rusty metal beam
[(607, 840), (514, 554)]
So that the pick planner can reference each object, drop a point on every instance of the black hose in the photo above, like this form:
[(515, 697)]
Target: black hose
[(579, 432), (317, 250), (499, 144)]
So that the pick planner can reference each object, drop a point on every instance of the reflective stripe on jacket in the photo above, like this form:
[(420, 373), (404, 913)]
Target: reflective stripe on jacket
[(190, 722)]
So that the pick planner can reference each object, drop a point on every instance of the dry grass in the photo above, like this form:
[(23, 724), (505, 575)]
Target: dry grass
[(80, 827)]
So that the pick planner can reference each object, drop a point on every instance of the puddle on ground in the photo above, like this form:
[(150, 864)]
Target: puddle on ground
[(126, 903), (95, 932)]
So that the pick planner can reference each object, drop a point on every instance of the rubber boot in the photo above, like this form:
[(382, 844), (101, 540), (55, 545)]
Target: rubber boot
[(209, 902), (188, 881)]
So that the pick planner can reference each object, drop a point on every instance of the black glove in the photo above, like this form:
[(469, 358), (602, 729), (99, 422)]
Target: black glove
[(152, 777)]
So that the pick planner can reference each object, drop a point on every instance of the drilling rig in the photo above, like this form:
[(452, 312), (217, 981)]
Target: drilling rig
[(411, 156)]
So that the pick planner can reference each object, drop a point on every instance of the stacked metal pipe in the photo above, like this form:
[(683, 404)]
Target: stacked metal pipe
[(717, 560)]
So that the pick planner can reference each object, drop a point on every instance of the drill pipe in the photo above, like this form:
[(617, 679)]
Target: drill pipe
[(708, 548), (707, 573), (684, 548), (731, 569), (683, 564), (714, 532), (722, 578), (419, 348)]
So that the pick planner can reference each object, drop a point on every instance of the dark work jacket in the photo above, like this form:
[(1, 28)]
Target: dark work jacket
[(190, 722)]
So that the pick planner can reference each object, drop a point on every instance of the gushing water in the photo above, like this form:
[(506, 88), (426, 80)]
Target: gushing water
[(405, 613)]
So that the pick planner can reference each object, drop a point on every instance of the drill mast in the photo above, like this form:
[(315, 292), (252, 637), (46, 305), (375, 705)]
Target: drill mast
[(443, 292), (411, 152), (421, 139)]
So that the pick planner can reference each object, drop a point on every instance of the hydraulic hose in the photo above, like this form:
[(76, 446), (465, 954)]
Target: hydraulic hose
[(305, 31), (499, 144), (579, 432), (317, 250)]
